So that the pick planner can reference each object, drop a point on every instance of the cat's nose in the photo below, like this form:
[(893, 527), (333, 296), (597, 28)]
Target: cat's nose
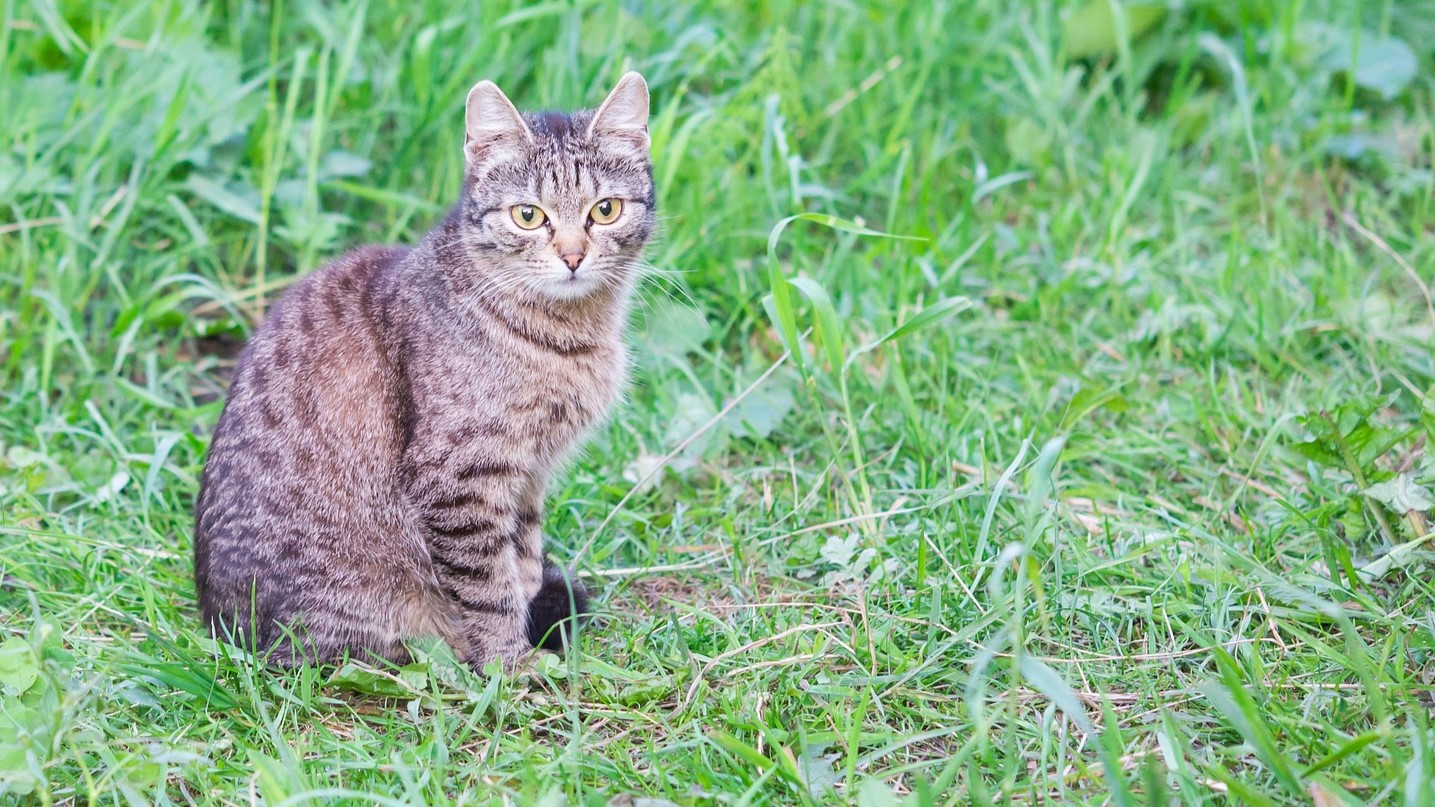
[(572, 259)]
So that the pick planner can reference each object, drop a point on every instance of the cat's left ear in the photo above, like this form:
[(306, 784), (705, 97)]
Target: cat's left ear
[(625, 112), (491, 123)]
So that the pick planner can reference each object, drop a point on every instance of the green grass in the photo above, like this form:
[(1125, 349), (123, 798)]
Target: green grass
[(1062, 545)]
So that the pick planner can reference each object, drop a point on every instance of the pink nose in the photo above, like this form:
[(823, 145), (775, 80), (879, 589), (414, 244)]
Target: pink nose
[(572, 259)]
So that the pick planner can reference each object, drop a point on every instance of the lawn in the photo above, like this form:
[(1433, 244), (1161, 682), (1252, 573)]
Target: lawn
[(1072, 448)]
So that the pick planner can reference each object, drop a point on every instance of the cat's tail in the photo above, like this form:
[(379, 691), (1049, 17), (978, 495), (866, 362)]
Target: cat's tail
[(554, 612)]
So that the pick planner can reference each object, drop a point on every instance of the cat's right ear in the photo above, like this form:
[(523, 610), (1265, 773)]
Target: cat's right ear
[(491, 121), (624, 114)]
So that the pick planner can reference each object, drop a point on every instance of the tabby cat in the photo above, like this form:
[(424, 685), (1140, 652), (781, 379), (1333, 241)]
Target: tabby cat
[(379, 469)]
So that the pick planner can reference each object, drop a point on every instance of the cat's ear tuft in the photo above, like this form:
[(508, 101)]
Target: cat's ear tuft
[(491, 118), (625, 112)]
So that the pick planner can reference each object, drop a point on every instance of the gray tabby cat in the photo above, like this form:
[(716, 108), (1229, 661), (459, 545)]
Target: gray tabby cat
[(379, 469)]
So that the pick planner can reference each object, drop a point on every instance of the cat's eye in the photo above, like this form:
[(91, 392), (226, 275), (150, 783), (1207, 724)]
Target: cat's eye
[(606, 211), (528, 217)]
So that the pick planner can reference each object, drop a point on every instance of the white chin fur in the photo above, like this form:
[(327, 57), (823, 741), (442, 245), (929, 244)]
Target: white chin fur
[(570, 286)]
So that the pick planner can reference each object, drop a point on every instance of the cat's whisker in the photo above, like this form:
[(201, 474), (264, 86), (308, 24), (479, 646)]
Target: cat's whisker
[(665, 283)]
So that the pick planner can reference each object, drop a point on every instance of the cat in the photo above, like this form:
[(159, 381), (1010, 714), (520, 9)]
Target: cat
[(378, 471)]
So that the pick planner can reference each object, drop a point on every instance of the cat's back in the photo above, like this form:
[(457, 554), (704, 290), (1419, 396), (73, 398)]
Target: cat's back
[(321, 337), (308, 435), (327, 310)]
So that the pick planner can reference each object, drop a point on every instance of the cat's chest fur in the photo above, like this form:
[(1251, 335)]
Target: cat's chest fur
[(514, 399)]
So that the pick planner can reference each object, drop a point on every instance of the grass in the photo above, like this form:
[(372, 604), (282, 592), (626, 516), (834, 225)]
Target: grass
[(1093, 539)]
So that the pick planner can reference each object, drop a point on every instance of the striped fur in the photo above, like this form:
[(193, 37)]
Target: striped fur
[(379, 469)]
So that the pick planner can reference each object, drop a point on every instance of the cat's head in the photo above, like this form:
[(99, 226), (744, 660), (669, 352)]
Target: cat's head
[(559, 206)]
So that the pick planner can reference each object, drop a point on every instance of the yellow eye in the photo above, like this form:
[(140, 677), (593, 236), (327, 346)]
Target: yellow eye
[(606, 211), (528, 217)]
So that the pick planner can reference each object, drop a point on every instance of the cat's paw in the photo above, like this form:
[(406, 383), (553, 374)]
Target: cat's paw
[(514, 658), (519, 660)]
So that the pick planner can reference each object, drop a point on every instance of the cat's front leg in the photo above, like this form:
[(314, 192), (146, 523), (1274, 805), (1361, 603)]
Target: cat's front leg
[(480, 531)]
